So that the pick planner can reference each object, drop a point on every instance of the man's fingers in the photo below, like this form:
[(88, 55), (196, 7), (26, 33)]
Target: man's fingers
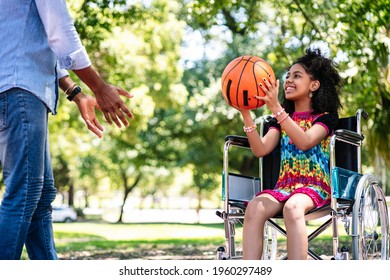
[(127, 111), (117, 117), (98, 125), (124, 93), (119, 114), (94, 129), (107, 117)]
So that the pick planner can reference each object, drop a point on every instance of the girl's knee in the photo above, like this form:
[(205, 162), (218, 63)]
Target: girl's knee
[(255, 209), (293, 210), (297, 206)]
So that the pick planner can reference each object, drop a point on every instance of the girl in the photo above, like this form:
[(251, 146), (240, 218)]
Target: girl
[(303, 123)]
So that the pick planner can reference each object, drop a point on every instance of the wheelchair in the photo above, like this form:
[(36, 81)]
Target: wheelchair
[(357, 200)]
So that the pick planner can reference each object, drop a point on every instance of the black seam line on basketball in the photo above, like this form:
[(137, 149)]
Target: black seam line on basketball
[(228, 91), (257, 86), (239, 81), (227, 74), (265, 70), (245, 97)]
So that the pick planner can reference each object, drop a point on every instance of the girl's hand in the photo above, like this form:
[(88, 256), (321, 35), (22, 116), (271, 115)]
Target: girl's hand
[(244, 112), (271, 90)]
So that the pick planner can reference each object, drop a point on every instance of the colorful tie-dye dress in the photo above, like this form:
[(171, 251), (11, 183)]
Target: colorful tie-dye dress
[(305, 171)]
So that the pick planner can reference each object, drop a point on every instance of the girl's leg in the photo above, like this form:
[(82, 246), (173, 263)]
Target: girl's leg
[(256, 214), (294, 218)]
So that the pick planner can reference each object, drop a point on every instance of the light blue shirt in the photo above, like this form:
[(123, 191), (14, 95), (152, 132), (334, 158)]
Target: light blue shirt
[(37, 40)]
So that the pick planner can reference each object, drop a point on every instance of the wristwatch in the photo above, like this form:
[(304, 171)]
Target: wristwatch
[(74, 92)]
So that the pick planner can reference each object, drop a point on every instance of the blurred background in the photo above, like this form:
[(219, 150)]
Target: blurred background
[(170, 55)]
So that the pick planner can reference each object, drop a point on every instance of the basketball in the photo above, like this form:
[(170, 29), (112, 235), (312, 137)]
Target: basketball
[(241, 79)]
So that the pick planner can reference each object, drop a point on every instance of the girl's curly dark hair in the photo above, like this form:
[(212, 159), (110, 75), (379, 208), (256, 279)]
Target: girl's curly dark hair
[(326, 97)]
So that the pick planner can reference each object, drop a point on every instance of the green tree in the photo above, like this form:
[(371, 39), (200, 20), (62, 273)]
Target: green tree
[(181, 118), (136, 47), (356, 33)]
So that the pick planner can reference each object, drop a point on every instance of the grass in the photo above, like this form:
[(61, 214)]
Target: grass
[(98, 240), (86, 240), (137, 241), (147, 231)]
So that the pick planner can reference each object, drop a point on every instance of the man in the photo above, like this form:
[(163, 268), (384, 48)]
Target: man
[(35, 35)]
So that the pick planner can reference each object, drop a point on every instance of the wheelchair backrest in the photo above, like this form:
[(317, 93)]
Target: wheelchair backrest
[(346, 155), (270, 164)]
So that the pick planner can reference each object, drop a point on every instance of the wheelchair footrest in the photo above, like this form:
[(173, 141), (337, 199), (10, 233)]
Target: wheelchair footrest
[(219, 214)]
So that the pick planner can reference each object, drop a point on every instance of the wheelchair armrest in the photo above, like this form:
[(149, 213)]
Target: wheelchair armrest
[(349, 136), (236, 140)]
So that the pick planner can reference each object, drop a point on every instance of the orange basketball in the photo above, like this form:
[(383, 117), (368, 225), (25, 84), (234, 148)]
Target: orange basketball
[(240, 81)]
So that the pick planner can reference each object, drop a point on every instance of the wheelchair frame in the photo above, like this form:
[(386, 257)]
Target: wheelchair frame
[(367, 202)]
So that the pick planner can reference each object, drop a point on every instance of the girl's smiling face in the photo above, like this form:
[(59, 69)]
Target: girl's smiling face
[(299, 83)]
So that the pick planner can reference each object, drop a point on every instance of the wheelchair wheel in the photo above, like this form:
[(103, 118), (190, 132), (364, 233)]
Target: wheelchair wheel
[(370, 221), (270, 243)]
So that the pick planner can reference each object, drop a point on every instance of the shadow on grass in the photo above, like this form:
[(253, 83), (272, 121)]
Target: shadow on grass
[(152, 241), (140, 249), (159, 245), (210, 225)]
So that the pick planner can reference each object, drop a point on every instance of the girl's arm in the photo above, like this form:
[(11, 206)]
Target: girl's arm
[(304, 140), (260, 146)]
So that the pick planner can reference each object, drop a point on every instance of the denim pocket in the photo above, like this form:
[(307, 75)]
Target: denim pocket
[(3, 110)]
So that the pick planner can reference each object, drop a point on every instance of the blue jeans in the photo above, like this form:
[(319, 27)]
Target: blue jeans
[(25, 211)]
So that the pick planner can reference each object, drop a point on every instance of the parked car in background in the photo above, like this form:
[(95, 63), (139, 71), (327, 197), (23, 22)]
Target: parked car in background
[(64, 214)]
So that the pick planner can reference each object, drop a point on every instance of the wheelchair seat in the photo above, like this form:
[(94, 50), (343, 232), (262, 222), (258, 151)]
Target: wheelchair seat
[(352, 194)]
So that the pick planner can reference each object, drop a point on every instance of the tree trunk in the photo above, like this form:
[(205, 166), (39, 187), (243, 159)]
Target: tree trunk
[(127, 191), (71, 195), (199, 207)]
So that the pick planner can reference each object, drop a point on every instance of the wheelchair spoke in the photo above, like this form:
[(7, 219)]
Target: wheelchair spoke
[(373, 225)]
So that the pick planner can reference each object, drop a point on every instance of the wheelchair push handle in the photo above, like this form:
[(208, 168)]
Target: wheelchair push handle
[(363, 113)]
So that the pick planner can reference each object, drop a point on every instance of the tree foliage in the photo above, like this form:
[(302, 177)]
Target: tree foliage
[(141, 56), (180, 117), (356, 34)]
